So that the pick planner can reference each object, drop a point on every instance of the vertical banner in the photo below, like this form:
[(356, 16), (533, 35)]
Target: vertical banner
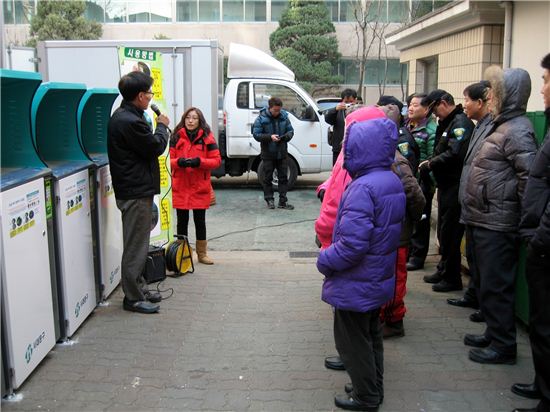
[(150, 62)]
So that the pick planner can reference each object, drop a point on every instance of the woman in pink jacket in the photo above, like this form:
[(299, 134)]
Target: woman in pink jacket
[(331, 190)]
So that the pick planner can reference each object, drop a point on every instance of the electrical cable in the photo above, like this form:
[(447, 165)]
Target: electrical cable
[(261, 227)]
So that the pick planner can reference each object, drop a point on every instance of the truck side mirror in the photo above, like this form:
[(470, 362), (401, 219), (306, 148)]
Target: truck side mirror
[(310, 114)]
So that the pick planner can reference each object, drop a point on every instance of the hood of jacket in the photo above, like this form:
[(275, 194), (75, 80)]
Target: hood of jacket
[(370, 145), (517, 89)]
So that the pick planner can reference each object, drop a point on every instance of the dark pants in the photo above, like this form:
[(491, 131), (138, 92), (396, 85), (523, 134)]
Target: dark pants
[(281, 165), (137, 215), (199, 218), (335, 156), (358, 338), (538, 281), (420, 239), (450, 232), (496, 255), (472, 293)]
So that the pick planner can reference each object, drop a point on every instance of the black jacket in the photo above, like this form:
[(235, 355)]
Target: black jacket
[(499, 170), (535, 214), (133, 152), (266, 125), (336, 118), (451, 144)]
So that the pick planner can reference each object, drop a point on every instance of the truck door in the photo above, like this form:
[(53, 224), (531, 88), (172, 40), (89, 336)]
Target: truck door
[(307, 133)]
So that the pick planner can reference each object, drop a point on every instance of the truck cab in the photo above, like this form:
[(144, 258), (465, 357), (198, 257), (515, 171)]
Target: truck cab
[(255, 77)]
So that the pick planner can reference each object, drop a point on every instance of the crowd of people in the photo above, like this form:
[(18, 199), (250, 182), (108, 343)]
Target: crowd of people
[(492, 183)]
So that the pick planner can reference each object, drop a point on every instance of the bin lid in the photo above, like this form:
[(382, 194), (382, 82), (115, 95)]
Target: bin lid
[(54, 124), (93, 114), (17, 91)]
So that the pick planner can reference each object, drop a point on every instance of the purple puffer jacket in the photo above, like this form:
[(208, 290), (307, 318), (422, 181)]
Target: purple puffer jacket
[(360, 264)]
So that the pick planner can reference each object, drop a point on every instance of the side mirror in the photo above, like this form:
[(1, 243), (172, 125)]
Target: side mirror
[(310, 114)]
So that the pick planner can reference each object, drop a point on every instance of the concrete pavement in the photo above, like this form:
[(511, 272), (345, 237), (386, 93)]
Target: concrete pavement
[(250, 333)]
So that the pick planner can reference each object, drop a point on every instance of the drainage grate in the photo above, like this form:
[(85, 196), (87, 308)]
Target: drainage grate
[(303, 254)]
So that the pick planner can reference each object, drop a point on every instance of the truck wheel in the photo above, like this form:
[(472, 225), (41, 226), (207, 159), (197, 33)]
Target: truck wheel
[(292, 175)]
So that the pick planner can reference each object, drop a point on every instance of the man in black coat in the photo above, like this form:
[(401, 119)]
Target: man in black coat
[(337, 118), (133, 151), (535, 229), (451, 144)]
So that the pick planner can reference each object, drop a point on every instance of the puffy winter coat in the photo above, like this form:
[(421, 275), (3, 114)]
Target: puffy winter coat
[(482, 129), (359, 265), (424, 134), (500, 168), (535, 214), (337, 182), (133, 151), (191, 186), (415, 198), (266, 125)]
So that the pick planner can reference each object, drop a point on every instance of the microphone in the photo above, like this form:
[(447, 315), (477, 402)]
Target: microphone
[(155, 109)]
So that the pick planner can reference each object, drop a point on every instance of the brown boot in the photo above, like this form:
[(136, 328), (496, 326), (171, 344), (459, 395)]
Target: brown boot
[(201, 253)]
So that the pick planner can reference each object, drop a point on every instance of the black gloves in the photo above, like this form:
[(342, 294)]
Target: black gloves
[(194, 162), (321, 194)]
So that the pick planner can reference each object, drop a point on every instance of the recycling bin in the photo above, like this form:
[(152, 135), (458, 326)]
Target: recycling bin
[(28, 288), (54, 132), (94, 111)]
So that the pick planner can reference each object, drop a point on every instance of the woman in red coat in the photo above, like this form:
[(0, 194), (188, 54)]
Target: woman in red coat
[(193, 154)]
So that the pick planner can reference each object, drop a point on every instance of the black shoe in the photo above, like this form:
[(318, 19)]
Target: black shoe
[(349, 403), (335, 363), (444, 286), (140, 306), (435, 278), (153, 297), (477, 341), (527, 390), (412, 265), (491, 356), (270, 204), (477, 317), (463, 303), (393, 329), (285, 205), (525, 410), (348, 387)]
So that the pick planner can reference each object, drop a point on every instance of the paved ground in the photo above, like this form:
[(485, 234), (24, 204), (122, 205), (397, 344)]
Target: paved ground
[(250, 333)]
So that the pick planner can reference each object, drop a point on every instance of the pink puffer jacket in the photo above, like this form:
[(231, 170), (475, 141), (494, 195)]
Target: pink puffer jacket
[(335, 185)]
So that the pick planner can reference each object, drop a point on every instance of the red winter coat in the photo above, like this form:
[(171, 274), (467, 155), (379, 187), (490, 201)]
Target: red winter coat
[(191, 186)]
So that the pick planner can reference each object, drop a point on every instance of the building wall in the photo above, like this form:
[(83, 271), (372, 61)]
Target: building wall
[(461, 58), (530, 43)]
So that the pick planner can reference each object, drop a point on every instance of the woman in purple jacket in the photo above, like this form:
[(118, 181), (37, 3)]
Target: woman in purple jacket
[(359, 264)]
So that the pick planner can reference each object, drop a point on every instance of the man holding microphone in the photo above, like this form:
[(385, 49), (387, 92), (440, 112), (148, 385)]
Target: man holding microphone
[(133, 150)]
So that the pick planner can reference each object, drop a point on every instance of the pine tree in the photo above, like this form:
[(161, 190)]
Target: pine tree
[(305, 41), (62, 20)]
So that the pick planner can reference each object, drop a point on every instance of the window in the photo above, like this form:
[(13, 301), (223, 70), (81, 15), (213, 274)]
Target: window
[(161, 11), (24, 11), (186, 10), (209, 10), (242, 95), (233, 10), (374, 72), (332, 6), (8, 12), (292, 103), (115, 11), (398, 11), (255, 10), (138, 11), (277, 8)]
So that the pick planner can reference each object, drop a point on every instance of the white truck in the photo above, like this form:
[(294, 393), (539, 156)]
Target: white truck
[(193, 76)]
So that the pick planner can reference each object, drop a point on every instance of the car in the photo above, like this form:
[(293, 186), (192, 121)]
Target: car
[(326, 103)]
